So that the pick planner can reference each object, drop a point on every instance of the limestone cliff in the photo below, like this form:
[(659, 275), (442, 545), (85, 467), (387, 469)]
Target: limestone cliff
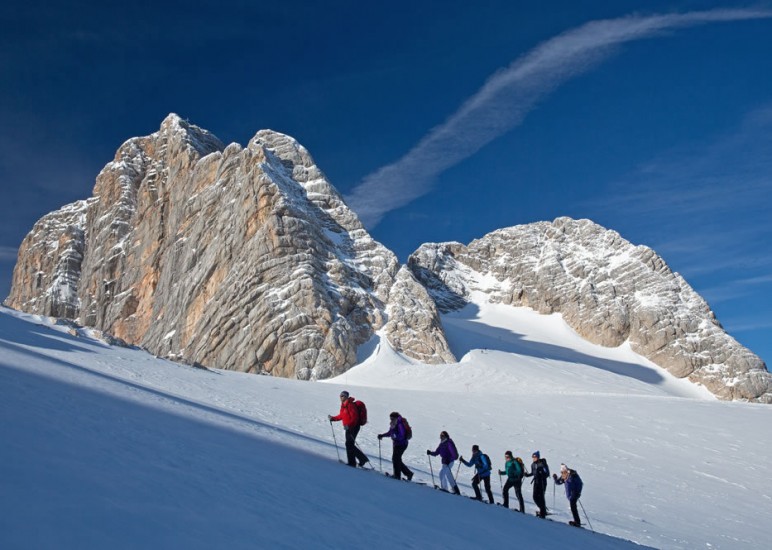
[(606, 289), (235, 258)]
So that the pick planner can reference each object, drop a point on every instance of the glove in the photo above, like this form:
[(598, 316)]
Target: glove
[(380, 436), (428, 452), (329, 417), (555, 477)]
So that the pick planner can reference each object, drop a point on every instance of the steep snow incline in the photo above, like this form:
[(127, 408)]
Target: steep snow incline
[(107, 446), (112, 448)]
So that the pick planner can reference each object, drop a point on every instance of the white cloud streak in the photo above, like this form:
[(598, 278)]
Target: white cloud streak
[(8, 254), (506, 98)]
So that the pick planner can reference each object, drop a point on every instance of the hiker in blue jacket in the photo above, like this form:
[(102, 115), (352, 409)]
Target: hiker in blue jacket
[(482, 465), (448, 453), (573, 485), (514, 471)]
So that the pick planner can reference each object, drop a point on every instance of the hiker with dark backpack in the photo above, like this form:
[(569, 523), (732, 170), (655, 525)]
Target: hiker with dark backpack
[(482, 464), (400, 433), (514, 470), (540, 473), (448, 454), (353, 414), (574, 486)]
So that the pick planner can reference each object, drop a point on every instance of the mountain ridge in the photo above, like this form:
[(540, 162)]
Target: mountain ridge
[(247, 258)]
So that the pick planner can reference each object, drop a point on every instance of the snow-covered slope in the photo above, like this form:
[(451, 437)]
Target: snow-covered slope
[(111, 447)]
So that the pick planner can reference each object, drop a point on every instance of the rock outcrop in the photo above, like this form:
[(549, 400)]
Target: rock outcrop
[(608, 290), (230, 257)]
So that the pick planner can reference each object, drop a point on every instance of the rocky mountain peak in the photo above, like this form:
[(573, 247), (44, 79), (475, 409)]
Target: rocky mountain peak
[(231, 257), (608, 290)]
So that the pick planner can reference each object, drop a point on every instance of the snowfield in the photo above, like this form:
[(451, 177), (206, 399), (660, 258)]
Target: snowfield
[(107, 446)]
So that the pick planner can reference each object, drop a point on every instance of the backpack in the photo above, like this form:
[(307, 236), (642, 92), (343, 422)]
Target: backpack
[(486, 462), (408, 429), (519, 468), (543, 470), (452, 449), (361, 412), (578, 484)]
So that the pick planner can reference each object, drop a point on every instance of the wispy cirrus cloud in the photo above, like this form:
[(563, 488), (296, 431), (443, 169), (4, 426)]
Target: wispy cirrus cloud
[(706, 204), (507, 97), (8, 254)]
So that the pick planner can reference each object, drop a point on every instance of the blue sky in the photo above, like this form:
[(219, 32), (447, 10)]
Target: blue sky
[(650, 118)]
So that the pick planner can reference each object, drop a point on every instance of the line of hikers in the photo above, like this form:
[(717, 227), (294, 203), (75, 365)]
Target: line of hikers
[(353, 415)]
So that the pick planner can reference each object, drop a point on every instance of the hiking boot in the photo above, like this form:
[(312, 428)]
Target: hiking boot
[(409, 476), (575, 524), (456, 490)]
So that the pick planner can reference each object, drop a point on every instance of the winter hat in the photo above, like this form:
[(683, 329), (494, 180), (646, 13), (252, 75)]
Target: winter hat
[(563, 468), (475, 448), (508, 453), (536, 454), (344, 393)]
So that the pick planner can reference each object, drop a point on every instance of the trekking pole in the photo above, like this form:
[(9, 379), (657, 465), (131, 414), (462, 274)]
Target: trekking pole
[(585, 515), (501, 486), (431, 469), (553, 494), (380, 460), (335, 439)]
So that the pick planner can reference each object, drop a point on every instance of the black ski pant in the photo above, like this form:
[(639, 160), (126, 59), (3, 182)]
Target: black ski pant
[(399, 466), (476, 486), (538, 498), (352, 451), (574, 511), (518, 485)]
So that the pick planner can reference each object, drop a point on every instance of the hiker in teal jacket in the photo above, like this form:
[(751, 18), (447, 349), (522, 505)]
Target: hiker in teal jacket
[(514, 471), (482, 465)]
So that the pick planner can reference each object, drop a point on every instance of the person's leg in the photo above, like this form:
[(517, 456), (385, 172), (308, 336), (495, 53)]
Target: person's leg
[(396, 459), (538, 499), (446, 477), (359, 456), (476, 487), (505, 492), (487, 482), (351, 436), (519, 494), (407, 472), (575, 512)]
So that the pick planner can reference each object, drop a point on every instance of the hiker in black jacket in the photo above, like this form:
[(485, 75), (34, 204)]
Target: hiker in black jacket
[(540, 473)]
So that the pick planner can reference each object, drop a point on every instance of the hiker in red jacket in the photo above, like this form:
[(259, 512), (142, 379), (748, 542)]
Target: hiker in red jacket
[(349, 414)]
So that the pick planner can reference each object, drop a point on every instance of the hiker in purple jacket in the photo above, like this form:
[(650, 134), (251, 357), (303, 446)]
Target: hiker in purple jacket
[(448, 454), (398, 435)]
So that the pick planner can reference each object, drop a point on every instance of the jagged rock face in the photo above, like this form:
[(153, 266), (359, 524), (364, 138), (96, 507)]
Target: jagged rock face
[(231, 257), (606, 289), (45, 279), (414, 322)]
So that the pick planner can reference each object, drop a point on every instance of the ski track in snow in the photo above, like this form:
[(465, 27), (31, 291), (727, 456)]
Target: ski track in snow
[(94, 427)]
